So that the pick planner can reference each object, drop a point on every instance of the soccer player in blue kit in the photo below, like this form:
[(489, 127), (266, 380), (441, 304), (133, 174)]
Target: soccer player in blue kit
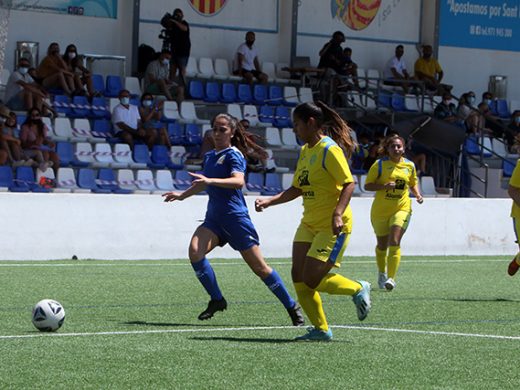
[(227, 218)]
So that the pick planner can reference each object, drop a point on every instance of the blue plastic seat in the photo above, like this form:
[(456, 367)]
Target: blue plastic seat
[(193, 134), (142, 155), (244, 94), (508, 167), (98, 84), (384, 100), (108, 182), (282, 117), (25, 181), (266, 114), (161, 156), (493, 107), (275, 95), (176, 133), (196, 90), (65, 152), (260, 94), (255, 181), (81, 107), (503, 109), (87, 180), (6, 176), (62, 105), (113, 86), (398, 102), (212, 92), (229, 93), (100, 109), (471, 145), (102, 128), (182, 180), (273, 184)]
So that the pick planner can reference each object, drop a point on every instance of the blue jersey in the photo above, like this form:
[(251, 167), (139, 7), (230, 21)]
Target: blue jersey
[(224, 201)]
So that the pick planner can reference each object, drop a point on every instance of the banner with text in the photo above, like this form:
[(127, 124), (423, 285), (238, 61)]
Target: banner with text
[(98, 8), (480, 24)]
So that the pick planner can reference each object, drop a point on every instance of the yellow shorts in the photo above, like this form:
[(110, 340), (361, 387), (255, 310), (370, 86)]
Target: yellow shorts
[(382, 225), (325, 246), (516, 226)]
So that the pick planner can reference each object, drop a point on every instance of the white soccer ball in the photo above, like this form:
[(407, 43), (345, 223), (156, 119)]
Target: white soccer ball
[(48, 315)]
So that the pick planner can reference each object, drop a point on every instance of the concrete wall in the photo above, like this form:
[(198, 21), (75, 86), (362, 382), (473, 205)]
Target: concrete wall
[(58, 226)]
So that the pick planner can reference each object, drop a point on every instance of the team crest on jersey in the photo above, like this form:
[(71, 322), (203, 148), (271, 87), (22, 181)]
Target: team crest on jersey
[(220, 161), (303, 179)]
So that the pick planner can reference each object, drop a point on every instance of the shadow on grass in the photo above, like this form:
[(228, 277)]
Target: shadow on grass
[(261, 340), (172, 324)]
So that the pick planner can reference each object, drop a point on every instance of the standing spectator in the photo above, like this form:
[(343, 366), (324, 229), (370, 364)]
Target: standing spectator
[(157, 77), (35, 142), (126, 121), (22, 92), (82, 76), (428, 70), (180, 44), (151, 115), (54, 72), (332, 61), (246, 61), (395, 71)]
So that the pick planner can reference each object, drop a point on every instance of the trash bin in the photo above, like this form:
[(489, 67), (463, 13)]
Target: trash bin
[(27, 50), (498, 86)]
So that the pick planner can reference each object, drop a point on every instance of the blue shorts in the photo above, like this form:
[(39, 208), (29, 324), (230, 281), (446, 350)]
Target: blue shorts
[(238, 231)]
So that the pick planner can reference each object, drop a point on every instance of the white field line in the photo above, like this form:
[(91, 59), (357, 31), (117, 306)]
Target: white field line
[(169, 263), (257, 328)]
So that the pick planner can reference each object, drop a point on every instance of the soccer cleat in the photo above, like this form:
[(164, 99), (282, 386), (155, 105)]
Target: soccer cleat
[(296, 315), (390, 284), (513, 267), (213, 307), (314, 334), (381, 279), (362, 300)]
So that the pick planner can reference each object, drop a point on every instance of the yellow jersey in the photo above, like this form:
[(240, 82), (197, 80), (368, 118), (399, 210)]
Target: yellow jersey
[(515, 182), (321, 173), (403, 174)]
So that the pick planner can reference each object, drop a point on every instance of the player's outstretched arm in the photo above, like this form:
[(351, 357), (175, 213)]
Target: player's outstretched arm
[(283, 197)]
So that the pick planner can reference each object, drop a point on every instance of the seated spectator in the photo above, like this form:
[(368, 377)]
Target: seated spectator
[(22, 92), (467, 112), (10, 144), (35, 142), (256, 156), (247, 64), (428, 70), (82, 76), (127, 123), (395, 72), (54, 72), (446, 111), (157, 78), (348, 67), (492, 121), (417, 155), (512, 135), (151, 114), (487, 97)]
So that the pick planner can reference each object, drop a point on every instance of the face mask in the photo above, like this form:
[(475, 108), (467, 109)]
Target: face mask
[(3, 120), (165, 61), (488, 102), (471, 100), (23, 70), (147, 103), (72, 55), (517, 120), (125, 100)]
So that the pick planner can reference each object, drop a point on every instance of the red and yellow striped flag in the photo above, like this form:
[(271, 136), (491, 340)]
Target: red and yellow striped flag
[(207, 7)]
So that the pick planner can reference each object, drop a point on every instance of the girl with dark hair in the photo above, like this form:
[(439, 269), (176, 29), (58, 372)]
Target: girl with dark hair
[(227, 218), (82, 75), (324, 181), (151, 114), (391, 177), (54, 72)]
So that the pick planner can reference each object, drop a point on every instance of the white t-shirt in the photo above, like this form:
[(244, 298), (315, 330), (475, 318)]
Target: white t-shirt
[(13, 88), (398, 64), (129, 116), (248, 63)]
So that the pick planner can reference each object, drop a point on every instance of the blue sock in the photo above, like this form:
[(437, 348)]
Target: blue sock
[(275, 284), (207, 278)]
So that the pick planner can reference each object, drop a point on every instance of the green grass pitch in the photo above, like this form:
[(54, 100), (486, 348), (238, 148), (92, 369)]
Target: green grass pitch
[(451, 323)]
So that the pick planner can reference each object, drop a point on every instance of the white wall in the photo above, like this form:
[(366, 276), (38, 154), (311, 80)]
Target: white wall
[(58, 226)]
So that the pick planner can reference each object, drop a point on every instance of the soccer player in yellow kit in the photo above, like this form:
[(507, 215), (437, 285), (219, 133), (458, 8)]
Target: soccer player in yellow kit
[(323, 179), (514, 192), (391, 177)]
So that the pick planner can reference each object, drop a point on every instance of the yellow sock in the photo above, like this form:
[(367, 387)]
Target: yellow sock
[(517, 258), (310, 302), (381, 259), (338, 285), (394, 258)]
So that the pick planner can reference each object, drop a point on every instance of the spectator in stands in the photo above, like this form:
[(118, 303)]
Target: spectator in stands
[(35, 142), (227, 218), (428, 70), (487, 97), (514, 192), (416, 155), (395, 72), (247, 64), (157, 78), (512, 134), (392, 178), (332, 61), (126, 121), (349, 67), (82, 76), (151, 114), (446, 110), (467, 112), (486, 122), (256, 156), (324, 181), (180, 44), (22, 92), (10, 144), (54, 72)]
